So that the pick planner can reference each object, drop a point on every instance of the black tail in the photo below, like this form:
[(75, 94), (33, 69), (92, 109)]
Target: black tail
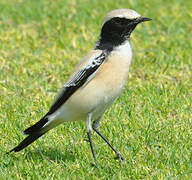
[(37, 126), (27, 141), (34, 133)]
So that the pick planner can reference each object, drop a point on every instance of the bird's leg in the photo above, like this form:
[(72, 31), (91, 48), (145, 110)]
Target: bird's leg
[(89, 128), (118, 155)]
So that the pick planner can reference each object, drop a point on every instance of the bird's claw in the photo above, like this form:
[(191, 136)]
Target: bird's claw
[(119, 157)]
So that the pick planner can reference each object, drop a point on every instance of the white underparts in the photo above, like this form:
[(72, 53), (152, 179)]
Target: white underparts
[(124, 50)]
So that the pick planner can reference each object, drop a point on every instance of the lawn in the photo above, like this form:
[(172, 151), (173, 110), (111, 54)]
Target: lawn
[(41, 41)]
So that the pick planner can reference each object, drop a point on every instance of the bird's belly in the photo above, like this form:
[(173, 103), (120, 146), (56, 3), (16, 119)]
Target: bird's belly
[(99, 93), (89, 99)]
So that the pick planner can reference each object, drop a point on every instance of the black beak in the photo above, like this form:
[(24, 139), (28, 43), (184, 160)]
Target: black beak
[(143, 19)]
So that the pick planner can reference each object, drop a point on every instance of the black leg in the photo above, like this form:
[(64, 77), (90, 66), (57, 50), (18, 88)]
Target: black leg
[(118, 155), (91, 144)]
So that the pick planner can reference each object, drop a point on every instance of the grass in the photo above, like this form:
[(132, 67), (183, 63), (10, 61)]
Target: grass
[(150, 123)]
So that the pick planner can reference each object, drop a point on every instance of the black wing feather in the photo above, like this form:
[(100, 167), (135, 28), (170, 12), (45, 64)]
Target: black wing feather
[(77, 81), (69, 88)]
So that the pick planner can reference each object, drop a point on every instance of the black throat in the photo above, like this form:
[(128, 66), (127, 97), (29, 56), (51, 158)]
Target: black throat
[(114, 32)]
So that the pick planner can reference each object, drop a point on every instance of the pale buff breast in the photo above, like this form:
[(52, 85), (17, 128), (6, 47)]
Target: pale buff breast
[(105, 86)]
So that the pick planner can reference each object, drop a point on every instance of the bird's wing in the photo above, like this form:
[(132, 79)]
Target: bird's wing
[(80, 78)]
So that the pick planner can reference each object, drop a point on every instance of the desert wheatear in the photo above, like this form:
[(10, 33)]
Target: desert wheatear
[(95, 82)]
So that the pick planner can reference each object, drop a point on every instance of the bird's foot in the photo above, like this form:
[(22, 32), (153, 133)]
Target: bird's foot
[(92, 164), (95, 165), (119, 157)]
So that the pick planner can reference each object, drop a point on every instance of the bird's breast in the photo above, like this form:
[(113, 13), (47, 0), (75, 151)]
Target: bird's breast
[(113, 73), (104, 87)]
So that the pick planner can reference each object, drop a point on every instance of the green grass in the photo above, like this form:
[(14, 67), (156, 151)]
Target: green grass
[(150, 123)]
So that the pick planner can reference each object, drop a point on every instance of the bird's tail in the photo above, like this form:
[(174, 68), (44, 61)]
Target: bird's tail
[(27, 141), (34, 132), (37, 127)]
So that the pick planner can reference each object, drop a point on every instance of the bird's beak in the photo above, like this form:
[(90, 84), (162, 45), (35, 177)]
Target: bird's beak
[(143, 19)]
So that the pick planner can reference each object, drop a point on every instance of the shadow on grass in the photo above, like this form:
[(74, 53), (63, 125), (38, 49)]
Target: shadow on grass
[(58, 156), (53, 155), (50, 154)]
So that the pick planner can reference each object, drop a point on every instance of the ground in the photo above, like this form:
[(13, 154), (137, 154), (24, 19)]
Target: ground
[(150, 123)]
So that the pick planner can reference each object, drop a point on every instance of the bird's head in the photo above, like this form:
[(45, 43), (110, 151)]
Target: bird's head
[(118, 25)]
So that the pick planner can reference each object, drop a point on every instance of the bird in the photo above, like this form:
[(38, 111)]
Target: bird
[(95, 82)]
